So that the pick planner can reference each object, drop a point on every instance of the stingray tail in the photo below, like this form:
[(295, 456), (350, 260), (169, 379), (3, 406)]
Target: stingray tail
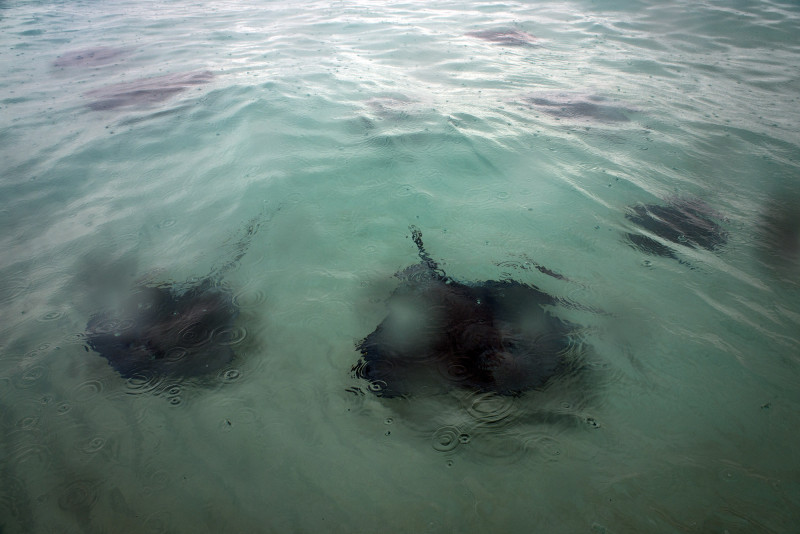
[(416, 235), (242, 244)]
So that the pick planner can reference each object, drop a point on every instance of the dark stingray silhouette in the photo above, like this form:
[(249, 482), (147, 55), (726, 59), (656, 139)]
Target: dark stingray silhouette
[(491, 336), (147, 91), (687, 222), (578, 106), (505, 37), (91, 57), (778, 232), (167, 329), (170, 329)]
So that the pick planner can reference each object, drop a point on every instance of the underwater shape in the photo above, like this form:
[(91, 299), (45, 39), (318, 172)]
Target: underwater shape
[(140, 93), (172, 329), (91, 57), (685, 221), (167, 329), (578, 106), (505, 37), (778, 233), (490, 336)]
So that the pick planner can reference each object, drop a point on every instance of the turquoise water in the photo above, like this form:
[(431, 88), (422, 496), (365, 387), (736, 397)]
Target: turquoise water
[(138, 140)]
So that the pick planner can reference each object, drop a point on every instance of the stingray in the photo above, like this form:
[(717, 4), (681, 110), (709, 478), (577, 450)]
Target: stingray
[(167, 329), (91, 57), (778, 232), (505, 37), (171, 329), (687, 222), (146, 91), (578, 106), (494, 336)]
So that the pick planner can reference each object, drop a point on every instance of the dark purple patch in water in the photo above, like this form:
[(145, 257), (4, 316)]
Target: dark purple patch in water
[(91, 57), (578, 107), (147, 91)]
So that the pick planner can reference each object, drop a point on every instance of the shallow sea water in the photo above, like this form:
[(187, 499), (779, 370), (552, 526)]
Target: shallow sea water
[(140, 139)]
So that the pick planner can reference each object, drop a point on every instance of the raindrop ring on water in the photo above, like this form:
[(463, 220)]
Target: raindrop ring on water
[(446, 438), (457, 372), (88, 389), (27, 423), (377, 386), (490, 407), (77, 337), (143, 383), (12, 288), (79, 495), (93, 445), (175, 354), (249, 299), (548, 447), (230, 375), (195, 335), (30, 376), (229, 335), (53, 315)]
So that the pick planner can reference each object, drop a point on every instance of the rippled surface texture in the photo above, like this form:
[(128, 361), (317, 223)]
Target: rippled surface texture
[(645, 151)]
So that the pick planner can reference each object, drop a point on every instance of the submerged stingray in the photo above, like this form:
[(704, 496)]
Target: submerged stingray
[(688, 222), (778, 232), (167, 329), (490, 336), (145, 91), (505, 37), (173, 330), (577, 106), (91, 57)]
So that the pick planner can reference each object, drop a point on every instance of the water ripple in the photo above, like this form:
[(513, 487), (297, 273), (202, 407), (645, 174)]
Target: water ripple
[(195, 335), (144, 382), (490, 408), (77, 338), (446, 438), (229, 375), (78, 496), (53, 315), (231, 335), (27, 450), (30, 377), (93, 445), (13, 287), (250, 299), (28, 423), (545, 448), (88, 390)]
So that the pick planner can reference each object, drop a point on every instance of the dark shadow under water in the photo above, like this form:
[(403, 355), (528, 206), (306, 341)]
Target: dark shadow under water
[(172, 330), (778, 233), (687, 222), (492, 336), (145, 92), (167, 329), (576, 106), (91, 57)]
